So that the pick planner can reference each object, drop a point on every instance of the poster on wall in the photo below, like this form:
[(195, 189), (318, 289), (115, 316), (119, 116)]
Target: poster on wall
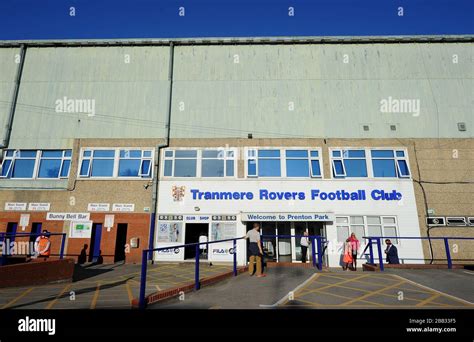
[(170, 232), (223, 230), (81, 230)]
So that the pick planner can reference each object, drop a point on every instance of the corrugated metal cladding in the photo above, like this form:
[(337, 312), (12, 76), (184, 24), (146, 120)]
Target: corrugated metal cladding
[(129, 86), (8, 67), (232, 90)]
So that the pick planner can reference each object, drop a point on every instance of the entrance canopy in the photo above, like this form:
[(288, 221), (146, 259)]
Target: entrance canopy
[(294, 217)]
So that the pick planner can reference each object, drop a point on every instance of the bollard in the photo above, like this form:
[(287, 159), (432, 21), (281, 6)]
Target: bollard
[(320, 253)]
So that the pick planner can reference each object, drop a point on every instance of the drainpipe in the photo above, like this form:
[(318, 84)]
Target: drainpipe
[(8, 126), (158, 153)]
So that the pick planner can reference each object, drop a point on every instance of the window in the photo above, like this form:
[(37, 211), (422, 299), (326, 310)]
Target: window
[(116, 163), (385, 226), (348, 163), (357, 227), (269, 163), (382, 226), (342, 228), (54, 164), (33, 164), (389, 163), (385, 163), (217, 163), (135, 163), (199, 163), (298, 164)]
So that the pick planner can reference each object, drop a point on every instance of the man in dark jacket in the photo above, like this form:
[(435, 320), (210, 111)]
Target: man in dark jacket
[(391, 252)]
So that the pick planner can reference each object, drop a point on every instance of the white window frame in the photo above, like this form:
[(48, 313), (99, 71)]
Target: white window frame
[(283, 172), (142, 159), (116, 160), (395, 159), (37, 158), (368, 160), (63, 159), (341, 159), (367, 224), (199, 158)]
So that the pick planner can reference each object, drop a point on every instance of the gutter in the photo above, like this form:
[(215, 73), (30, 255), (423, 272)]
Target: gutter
[(158, 154), (408, 39), (9, 125)]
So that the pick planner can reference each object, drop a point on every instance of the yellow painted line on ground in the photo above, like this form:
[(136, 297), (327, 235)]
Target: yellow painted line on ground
[(369, 291), (17, 298), (436, 291), (374, 292), (341, 282), (427, 300), (129, 292), (96, 296), (158, 288), (345, 297), (51, 303)]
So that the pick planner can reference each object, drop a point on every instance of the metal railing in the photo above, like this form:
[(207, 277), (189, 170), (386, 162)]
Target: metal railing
[(4, 237), (378, 241), (147, 254), (316, 241)]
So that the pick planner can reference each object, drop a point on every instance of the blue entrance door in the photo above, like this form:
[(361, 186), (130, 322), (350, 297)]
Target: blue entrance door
[(96, 237)]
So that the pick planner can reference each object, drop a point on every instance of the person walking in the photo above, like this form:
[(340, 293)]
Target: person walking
[(391, 252), (355, 245), (255, 249), (347, 256), (304, 243)]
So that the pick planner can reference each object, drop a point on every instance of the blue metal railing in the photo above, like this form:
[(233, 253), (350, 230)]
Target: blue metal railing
[(7, 236), (316, 241), (378, 241), (148, 253)]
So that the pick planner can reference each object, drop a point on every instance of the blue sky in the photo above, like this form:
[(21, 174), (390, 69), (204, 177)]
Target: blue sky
[(105, 19)]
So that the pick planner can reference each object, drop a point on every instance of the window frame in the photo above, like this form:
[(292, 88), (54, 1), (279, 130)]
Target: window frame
[(199, 158), (37, 160), (283, 159), (369, 164), (116, 163), (395, 158), (341, 158), (366, 225), (63, 159)]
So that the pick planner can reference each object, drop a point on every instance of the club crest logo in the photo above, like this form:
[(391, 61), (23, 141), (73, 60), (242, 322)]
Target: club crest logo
[(178, 193)]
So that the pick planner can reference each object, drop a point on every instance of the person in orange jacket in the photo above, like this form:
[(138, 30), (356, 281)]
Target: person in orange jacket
[(43, 245)]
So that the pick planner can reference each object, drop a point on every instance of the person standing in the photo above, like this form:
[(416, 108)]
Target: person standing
[(347, 256), (43, 245), (355, 245), (255, 249), (391, 252), (304, 242)]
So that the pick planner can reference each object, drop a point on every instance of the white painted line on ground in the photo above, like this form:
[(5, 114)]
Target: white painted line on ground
[(431, 289), (471, 273), (282, 300)]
